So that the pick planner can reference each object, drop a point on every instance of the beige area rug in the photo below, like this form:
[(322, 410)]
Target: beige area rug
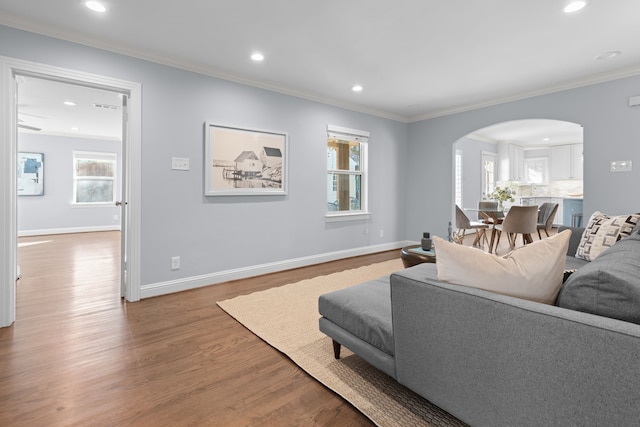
[(286, 317)]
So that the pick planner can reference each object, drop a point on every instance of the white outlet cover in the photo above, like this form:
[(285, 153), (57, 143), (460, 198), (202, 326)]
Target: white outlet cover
[(180, 163), (621, 166)]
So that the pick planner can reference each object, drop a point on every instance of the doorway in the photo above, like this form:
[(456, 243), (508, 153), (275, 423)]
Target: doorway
[(11, 71)]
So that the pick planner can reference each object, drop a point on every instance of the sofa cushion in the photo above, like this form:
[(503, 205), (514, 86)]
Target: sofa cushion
[(609, 285), (602, 232), (364, 310), (533, 272)]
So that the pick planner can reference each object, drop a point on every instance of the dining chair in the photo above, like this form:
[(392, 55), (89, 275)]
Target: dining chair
[(519, 220), (463, 223), (546, 215), (489, 208)]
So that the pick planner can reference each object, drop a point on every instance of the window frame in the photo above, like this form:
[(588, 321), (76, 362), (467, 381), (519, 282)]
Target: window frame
[(94, 155), (351, 136)]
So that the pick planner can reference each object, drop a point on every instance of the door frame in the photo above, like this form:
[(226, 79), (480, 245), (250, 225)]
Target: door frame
[(132, 149)]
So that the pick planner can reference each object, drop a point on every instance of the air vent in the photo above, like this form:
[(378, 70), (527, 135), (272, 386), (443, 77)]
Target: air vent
[(106, 106)]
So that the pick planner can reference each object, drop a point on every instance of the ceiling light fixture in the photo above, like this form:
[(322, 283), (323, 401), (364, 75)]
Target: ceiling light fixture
[(69, 103), (96, 6), (357, 88), (608, 55), (575, 6), (257, 57)]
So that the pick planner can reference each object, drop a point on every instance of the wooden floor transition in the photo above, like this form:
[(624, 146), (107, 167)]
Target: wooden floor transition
[(79, 355)]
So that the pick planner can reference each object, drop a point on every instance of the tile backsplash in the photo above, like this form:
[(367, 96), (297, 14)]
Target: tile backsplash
[(561, 188)]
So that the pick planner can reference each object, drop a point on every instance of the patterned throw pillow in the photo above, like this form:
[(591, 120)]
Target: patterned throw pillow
[(602, 232)]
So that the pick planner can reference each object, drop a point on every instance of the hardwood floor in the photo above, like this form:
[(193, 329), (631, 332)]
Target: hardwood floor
[(79, 355)]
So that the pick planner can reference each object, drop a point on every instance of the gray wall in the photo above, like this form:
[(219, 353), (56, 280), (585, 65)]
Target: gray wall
[(53, 212), (218, 234), (611, 132)]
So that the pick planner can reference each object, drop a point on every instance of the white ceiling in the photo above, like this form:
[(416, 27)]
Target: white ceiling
[(415, 58), (97, 113)]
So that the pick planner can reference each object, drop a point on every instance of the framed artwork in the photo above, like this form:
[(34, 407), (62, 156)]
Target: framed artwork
[(30, 174), (242, 161)]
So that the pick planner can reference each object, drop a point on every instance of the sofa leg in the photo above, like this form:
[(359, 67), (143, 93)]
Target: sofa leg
[(336, 349)]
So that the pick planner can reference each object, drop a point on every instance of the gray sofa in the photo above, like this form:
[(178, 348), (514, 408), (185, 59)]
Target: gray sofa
[(493, 360)]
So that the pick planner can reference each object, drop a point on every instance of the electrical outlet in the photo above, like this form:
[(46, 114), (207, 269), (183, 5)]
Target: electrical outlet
[(381, 232), (175, 263), (180, 163)]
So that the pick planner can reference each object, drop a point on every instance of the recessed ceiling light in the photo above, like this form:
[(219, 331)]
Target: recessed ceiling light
[(608, 55), (69, 103), (357, 88), (257, 56), (546, 139), (575, 6), (75, 128), (96, 6)]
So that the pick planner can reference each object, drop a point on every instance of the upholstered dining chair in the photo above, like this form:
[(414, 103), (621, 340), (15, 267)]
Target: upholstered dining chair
[(519, 220), (490, 206), (546, 215), (463, 223)]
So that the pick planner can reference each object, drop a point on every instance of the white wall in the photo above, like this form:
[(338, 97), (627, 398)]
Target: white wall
[(217, 234), (611, 132), (53, 212)]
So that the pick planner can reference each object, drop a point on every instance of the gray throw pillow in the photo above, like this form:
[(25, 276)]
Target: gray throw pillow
[(609, 285)]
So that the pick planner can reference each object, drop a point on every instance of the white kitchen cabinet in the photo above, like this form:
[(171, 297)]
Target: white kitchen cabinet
[(510, 162), (576, 161), (566, 162), (516, 162)]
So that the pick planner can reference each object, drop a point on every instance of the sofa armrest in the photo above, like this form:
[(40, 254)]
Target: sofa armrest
[(576, 236), (490, 359)]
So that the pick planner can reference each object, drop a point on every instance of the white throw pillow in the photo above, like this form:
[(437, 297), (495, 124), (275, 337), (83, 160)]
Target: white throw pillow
[(533, 272), (602, 232)]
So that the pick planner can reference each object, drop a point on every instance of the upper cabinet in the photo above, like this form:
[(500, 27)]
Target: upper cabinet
[(566, 161), (510, 162)]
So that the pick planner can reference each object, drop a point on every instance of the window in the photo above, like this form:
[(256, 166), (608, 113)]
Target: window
[(458, 178), (94, 177), (346, 171), (489, 161), (536, 170)]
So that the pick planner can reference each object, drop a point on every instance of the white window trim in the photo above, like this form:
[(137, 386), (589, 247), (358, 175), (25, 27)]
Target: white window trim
[(362, 137)]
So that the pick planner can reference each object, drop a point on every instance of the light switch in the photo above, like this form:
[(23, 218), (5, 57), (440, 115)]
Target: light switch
[(621, 166), (180, 163)]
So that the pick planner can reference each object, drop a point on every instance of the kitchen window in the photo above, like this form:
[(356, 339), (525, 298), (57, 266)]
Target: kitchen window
[(536, 170)]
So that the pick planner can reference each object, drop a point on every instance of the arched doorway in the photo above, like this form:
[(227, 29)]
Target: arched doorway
[(539, 160)]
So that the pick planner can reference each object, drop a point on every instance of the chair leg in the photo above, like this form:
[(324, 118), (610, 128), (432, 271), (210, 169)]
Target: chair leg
[(539, 235), (545, 232)]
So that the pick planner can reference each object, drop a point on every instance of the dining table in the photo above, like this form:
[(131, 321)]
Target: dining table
[(491, 217)]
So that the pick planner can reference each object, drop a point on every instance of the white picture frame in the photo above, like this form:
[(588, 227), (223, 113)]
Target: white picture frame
[(241, 161)]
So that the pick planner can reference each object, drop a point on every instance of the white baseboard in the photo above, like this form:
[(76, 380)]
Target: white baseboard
[(44, 232), (163, 288)]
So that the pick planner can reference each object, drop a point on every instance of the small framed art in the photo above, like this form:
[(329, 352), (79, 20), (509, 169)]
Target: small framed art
[(30, 174)]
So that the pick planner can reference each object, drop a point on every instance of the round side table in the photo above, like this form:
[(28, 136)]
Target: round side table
[(411, 258)]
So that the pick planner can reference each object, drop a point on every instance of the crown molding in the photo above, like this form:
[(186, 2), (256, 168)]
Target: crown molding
[(44, 30), (21, 24), (587, 81)]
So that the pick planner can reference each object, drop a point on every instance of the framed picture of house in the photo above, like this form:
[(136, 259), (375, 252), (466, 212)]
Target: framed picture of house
[(240, 161), (30, 174)]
